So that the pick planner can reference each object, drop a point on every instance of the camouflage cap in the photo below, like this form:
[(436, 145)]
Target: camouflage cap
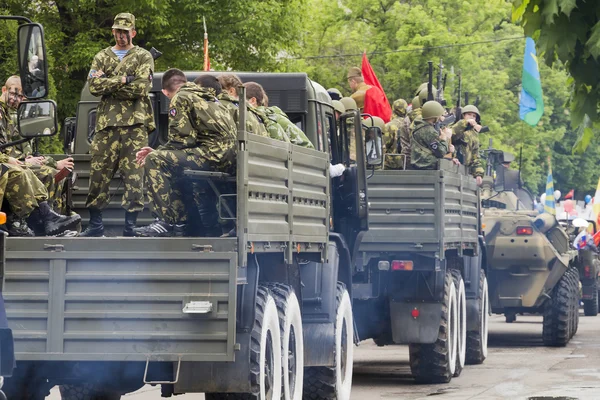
[(124, 21), (354, 72), (399, 107)]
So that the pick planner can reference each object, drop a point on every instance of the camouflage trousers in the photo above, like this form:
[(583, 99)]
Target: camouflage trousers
[(164, 177), (23, 190), (46, 175), (114, 148)]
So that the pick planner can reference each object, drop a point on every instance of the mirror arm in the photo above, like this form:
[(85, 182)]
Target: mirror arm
[(15, 18), (5, 145)]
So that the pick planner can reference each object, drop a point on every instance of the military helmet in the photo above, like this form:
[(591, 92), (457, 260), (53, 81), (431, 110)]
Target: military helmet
[(349, 103), (432, 109), (338, 106), (124, 21), (471, 109), (423, 86), (399, 107), (416, 103), (334, 93), (374, 122), (423, 95)]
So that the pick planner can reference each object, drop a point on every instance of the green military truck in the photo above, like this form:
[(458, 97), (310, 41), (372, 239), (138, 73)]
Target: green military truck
[(265, 314), (418, 275)]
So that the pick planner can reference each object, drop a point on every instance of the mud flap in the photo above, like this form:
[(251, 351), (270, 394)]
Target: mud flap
[(423, 329), (473, 313)]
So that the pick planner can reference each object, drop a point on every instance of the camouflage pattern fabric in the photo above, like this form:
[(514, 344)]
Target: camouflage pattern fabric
[(295, 134), (359, 95), (114, 148), (396, 130), (46, 175), (406, 135), (3, 182), (466, 147), (23, 190), (273, 128), (198, 120), (123, 104), (426, 146), (6, 127), (399, 108), (253, 125)]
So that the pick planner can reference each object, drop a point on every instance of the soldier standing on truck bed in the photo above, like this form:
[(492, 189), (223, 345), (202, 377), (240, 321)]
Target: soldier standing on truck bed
[(122, 75), (397, 128), (427, 144), (466, 142), (202, 136)]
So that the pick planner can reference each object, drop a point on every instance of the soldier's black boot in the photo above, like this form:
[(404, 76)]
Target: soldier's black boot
[(209, 217), (17, 226), (95, 228), (130, 221), (55, 223)]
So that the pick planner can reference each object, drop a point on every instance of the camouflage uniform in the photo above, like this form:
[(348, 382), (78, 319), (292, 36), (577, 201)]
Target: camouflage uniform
[(253, 125), (406, 134), (295, 134), (393, 132), (23, 190), (426, 146), (273, 128), (124, 119), (466, 146), (202, 136)]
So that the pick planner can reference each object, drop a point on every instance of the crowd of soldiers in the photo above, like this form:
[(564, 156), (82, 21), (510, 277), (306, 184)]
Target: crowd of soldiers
[(202, 132)]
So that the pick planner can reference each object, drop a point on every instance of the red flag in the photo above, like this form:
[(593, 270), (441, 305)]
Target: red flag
[(206, 58), (376, 102), (570, 194)]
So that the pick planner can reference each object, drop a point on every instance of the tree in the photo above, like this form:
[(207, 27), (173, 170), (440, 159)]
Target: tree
[(568, 31)]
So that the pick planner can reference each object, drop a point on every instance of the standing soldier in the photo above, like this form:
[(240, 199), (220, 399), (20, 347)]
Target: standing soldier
[(122, 75), (397, 128), (466, 141), (427, 144)]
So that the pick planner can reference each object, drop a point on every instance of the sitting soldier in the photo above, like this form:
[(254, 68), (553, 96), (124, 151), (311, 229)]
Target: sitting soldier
[(255, 95)]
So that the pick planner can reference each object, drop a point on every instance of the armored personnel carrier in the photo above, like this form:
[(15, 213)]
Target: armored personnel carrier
[(531, 265)]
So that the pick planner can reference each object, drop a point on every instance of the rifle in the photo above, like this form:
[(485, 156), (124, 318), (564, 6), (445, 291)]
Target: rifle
[(155, 53), (444, 89), (440, 89), (467, 98), (450, 119), (458, 111), (430, 81)]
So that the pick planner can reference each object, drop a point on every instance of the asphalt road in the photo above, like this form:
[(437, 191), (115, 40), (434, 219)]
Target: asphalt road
[(518, 367)]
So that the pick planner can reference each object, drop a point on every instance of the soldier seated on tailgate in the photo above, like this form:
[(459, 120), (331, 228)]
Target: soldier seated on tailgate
[(202, 136), (427, 144), (277, 115)]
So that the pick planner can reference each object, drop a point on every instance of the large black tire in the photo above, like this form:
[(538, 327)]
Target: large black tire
[(86, 391), (559, 317), (436, 362), (292, 340), (590, 307), (335, 383), (461, 307), (477, 340), (576, 298), (17, 389), (265, 353)]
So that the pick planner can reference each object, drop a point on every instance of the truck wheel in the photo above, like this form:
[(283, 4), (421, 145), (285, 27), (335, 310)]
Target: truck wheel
[(576, 298), (558, 313), (436, 362), (477, 341), (19, 390), (335, 383), (292, 341), (590, 307), (86, 391), (461, 307)]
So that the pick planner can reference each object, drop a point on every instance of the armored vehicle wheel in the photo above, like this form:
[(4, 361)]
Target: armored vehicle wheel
[(477, 341), (558, 313), (335, 383), (292, 341), (436, 362), (576, 299), (86, 391), (461, 306)]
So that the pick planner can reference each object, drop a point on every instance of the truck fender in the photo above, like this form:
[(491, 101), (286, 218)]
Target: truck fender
[(407, 329)]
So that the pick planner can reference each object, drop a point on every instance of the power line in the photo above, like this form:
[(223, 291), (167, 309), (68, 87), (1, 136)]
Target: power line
[(411, 50)]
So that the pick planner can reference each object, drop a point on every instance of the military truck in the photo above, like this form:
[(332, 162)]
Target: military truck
[(264, 314), (419, 271), (531, 265)]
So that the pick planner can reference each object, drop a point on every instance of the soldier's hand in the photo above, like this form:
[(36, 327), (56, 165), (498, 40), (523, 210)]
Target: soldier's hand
[(35, 160), (479, 180), (14, 161), (140, 156), (97, 74), (472, 122), (451, 148), (455, 161), (65, 163)]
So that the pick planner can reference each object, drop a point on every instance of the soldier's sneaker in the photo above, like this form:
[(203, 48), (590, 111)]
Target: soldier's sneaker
[(160, 228)]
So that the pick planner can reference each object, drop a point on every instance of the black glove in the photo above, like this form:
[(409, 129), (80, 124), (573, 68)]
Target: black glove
[(129, 79)]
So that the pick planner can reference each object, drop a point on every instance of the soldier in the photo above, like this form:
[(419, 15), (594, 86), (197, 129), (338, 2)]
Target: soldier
[(358, 86), (202, 136), (255, 95), (122, 76), (295, 134), (427, 145), (334, 93), (339, 108), (406, 135), (230, 99), (466, 142), (394, 130)]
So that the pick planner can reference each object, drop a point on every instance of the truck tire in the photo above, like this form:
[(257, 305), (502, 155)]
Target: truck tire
[(436, 362), (86, 391), (292, 341), (558, 313), (335, 383), (477, 341), (461, 307), (265, 353), (576, 298), (590, 307), (20, 390)]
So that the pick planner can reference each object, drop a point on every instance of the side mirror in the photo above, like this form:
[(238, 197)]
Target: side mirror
[(69, 135), (33, 64), (37, 118), (374, 146)]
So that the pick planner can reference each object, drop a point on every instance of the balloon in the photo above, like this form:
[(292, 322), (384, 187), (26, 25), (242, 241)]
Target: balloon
[(568, 206), (543, 198), (556, 194), (588, 199)]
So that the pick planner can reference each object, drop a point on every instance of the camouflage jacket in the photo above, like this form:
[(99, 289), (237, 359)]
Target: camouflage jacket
[(253, 125), (198, 119), (295, 134), (466, 147), (426, 146), (273, 128), (395, 130), (123, 104), (406, 134), (7, 129)]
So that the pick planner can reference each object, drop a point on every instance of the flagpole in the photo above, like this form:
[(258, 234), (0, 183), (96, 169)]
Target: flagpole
[(206, 59)]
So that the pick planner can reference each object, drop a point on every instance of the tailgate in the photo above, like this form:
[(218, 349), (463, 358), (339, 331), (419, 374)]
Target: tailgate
[(121, 299)]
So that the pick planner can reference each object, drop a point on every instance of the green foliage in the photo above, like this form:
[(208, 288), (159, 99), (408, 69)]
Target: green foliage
[(568, 31)]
